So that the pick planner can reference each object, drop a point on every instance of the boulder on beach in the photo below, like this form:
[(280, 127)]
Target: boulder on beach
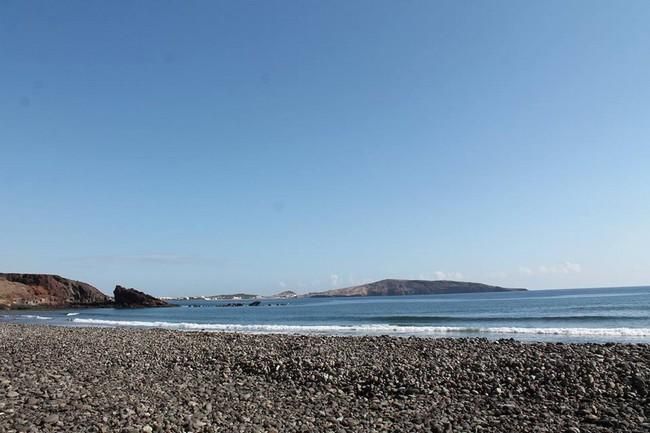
[(132, 298)]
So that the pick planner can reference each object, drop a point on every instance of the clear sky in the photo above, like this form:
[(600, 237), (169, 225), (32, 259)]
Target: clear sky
[(217, 146)]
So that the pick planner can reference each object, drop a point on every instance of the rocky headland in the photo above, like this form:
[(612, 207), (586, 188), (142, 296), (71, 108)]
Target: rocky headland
[(394, 287), (28, 291), (132, 298), (124, 380), (47, 291)]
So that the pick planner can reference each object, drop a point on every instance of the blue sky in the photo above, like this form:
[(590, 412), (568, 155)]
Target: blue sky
[(210, 147)]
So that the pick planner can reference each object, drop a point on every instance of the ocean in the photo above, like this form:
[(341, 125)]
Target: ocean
[(567, 315)]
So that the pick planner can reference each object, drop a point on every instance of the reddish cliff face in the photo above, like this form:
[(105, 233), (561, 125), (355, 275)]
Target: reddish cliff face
[(42, 290)]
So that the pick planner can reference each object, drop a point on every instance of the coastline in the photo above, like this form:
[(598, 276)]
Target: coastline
[(126, 379)]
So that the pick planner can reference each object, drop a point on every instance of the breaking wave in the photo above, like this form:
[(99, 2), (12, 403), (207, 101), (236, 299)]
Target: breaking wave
[(424, 319), (371, 329)]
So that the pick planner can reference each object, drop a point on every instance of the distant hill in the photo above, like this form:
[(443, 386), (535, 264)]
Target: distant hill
[(227, 297), (285, 294), (235, 296), (393, 287)]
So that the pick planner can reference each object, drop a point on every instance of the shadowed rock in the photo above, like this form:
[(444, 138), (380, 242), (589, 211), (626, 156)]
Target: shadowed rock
[(132, 298)]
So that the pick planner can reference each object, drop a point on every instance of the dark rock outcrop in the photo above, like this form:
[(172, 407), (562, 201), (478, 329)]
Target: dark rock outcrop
[(286, 294), (132, 298), (47, 291), (412, 287)]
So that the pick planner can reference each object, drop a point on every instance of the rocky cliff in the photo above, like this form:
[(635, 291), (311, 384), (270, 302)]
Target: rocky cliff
[(411, 287), (43, 290), (132, 298)]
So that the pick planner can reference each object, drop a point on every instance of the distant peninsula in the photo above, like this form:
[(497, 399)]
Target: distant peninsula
[(394, 287)]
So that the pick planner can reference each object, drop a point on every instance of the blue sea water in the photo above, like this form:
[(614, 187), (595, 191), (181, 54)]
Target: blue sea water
[(596, 315)]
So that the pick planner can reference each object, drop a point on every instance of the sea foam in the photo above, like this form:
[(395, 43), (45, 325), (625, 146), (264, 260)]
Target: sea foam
[(371, 329)]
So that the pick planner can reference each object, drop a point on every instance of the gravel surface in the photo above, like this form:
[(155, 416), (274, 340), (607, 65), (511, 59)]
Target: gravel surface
[(124, 380)]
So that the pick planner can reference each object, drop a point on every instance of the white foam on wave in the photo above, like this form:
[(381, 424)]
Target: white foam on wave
[(72, 314), (29, 316), (373, 329)]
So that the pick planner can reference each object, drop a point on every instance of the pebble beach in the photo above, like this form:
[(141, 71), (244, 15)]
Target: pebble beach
[(58, 379)]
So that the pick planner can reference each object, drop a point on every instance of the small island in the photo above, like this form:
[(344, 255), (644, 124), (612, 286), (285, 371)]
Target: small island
[(394, 287)]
